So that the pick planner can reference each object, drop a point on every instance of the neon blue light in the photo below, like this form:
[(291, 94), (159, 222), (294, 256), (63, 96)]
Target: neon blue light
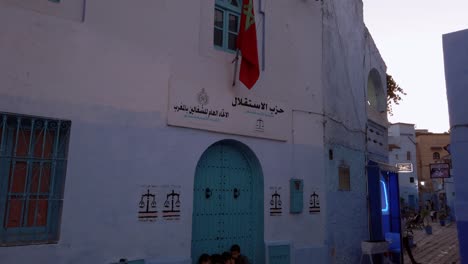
[(384, 187)]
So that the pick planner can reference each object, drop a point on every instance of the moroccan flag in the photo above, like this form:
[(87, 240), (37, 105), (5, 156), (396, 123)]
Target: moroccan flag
[(247, 44)]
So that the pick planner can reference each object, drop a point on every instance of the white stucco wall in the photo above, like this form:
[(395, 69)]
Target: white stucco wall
[(349, 54), (110, 75)]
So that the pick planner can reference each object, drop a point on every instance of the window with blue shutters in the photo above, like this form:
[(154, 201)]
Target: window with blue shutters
[(226, 24), (33, 161)]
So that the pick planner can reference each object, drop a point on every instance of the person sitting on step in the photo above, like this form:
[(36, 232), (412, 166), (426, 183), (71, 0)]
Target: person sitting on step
[(217, 259), (227, 257), (204, 259), (237, 256)]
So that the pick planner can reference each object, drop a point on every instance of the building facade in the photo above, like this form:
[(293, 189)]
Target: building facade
[(455, 59), (124, 136), (431, 149), (402, 153)]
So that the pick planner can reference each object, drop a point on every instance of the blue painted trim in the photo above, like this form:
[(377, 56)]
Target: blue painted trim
[(226, 4), (227, 10), (12, 125), (296, 201)]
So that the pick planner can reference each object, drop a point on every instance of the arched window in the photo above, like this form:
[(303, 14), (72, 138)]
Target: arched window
[(376, 97), (436, 155), (226, 24)]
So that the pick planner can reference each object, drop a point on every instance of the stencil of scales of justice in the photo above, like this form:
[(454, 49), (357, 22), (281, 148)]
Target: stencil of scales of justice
[(314, 204), (275, 203), (173, 204), (148, 203)]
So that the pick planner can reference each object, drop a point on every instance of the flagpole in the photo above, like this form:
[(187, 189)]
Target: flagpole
[(236, 60)]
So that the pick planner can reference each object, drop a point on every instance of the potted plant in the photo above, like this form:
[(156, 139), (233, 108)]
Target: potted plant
[(442, 217), (427, 223)]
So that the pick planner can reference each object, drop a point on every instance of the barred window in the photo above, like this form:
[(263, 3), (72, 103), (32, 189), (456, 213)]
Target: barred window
[(33, 161)]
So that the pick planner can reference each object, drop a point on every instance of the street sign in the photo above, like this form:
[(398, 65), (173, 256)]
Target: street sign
[(440, 170)]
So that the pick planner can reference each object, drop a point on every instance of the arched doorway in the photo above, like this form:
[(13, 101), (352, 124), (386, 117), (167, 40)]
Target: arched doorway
[(228, 202), (376, 97)]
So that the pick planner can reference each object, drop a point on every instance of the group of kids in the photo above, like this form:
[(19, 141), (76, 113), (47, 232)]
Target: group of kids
[(233, 257)]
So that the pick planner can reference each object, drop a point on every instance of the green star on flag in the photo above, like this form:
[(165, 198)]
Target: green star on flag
[(250, 17)]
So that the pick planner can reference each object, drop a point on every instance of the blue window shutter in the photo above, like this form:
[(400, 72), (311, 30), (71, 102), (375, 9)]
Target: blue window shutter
[(296, 187)]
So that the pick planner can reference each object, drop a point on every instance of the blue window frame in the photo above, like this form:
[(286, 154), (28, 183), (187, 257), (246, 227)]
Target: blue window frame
[(226, 24), (33, 160)]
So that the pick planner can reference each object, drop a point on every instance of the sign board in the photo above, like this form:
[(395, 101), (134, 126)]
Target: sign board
[(228, 112), (440, 170), (405, 167)]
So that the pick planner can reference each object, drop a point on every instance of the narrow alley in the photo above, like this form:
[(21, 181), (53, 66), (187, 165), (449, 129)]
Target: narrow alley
[(439, 248)]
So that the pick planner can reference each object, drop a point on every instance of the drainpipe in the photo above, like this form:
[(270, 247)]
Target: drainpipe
[(262, 12)]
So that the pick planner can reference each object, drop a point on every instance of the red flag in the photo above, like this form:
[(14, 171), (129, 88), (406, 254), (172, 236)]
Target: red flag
[(247, 44)]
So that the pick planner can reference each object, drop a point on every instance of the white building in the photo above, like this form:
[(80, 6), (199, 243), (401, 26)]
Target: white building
[(146, 151), (402, 146)]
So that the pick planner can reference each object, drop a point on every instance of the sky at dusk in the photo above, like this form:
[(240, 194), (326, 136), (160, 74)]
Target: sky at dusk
[(409, 37)]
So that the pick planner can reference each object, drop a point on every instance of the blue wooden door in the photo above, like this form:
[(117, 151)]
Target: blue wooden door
[(225, 210)]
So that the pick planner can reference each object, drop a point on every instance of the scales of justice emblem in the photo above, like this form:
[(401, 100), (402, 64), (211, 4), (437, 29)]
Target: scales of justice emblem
[(172, 205), (314, 204), (275, 204), (260, 125), (147, 207)]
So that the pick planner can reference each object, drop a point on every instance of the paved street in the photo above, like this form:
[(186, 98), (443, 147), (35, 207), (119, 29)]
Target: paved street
[(439, 248)]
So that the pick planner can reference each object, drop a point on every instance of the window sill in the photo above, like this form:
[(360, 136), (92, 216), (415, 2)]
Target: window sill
[(218, 48), (23, 244)]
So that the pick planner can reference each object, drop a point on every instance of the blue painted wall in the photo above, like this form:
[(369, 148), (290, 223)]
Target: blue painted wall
[(346, 226), (456, 60)]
